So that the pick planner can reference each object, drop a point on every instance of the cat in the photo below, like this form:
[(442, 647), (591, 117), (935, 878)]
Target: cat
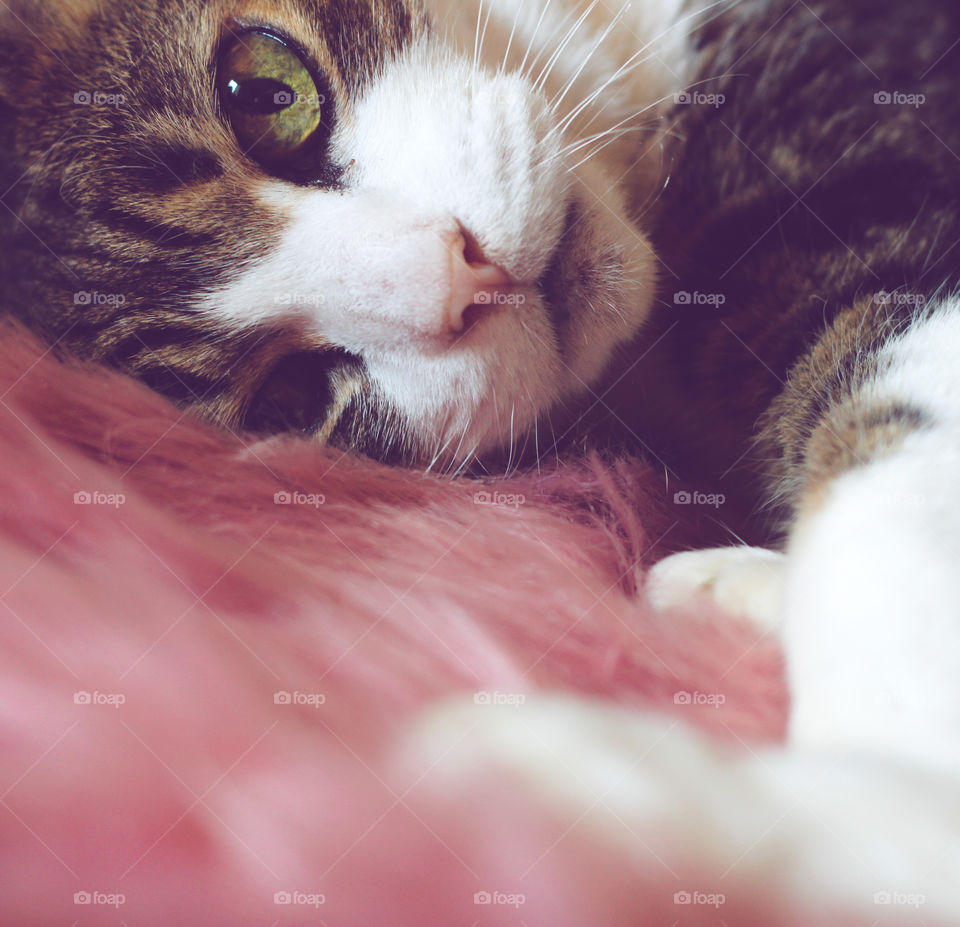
[(411, 230), (424, 231)]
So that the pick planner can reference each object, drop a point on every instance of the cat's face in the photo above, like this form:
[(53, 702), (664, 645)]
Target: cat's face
[(328, 214)]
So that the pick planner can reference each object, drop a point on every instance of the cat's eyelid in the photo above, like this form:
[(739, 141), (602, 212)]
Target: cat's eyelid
[(234, 30)]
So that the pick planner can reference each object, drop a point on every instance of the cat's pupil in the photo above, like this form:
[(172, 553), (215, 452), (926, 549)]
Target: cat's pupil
[(261, 95)]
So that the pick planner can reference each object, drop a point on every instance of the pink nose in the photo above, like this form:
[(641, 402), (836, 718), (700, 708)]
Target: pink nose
[(474, 281)]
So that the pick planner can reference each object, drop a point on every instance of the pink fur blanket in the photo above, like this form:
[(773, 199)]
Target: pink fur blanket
[(223, 662)]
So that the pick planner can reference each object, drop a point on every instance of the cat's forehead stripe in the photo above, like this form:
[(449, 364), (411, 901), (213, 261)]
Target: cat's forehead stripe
[(361, 36)]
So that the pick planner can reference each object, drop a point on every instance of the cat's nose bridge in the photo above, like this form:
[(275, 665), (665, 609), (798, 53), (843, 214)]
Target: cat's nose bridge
[(469, 145)]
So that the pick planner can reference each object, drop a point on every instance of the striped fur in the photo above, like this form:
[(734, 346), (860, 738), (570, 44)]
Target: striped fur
[(135, 228), (120, 215)]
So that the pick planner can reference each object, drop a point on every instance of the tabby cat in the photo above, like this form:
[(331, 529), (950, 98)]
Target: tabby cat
[(424, 231), (407, 230)]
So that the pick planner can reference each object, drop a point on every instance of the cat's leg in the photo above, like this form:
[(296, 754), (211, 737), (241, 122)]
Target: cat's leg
[(872, 592), (869, 590)]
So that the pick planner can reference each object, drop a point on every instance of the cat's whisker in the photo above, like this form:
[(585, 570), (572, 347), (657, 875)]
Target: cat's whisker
[(560, 34), (555, 103), (633, 62), (536, 442), (470, 458), (633, 116), (541, 81), (554, 38), (582, 143), (598, 149), (521, 452), (619, 74), (456, 451), (573, 147), (483, 35), (513, 410), (536, 431), (476, 36), (533, 38), (592, 97), (439, 452), (513, 32), (553, 433)]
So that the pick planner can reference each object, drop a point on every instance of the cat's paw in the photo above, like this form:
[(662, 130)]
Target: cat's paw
[(746, 582)]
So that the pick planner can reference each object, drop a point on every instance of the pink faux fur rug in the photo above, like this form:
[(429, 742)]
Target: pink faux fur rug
[(210, 699)]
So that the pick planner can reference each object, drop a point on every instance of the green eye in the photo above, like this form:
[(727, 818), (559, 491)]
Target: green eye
[(274, 104)]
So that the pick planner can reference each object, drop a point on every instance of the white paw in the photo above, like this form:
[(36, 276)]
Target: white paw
[(746, 582)]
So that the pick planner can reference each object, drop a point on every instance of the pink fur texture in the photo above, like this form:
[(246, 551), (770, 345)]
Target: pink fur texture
[(158, 599)]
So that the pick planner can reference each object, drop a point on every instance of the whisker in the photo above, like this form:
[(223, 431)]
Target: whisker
[(536, 32), (604, 36), (476, 37), (513, 410), (635, 61), (540, 82), (516, 20), (483, 35)]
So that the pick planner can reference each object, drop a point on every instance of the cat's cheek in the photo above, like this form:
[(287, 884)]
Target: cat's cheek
[(610, 273)]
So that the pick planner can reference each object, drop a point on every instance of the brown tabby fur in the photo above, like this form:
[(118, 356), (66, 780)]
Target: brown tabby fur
[(151, 201), (757, 396)]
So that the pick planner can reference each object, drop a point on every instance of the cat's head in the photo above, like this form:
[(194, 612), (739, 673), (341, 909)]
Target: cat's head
[(336, 215)]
